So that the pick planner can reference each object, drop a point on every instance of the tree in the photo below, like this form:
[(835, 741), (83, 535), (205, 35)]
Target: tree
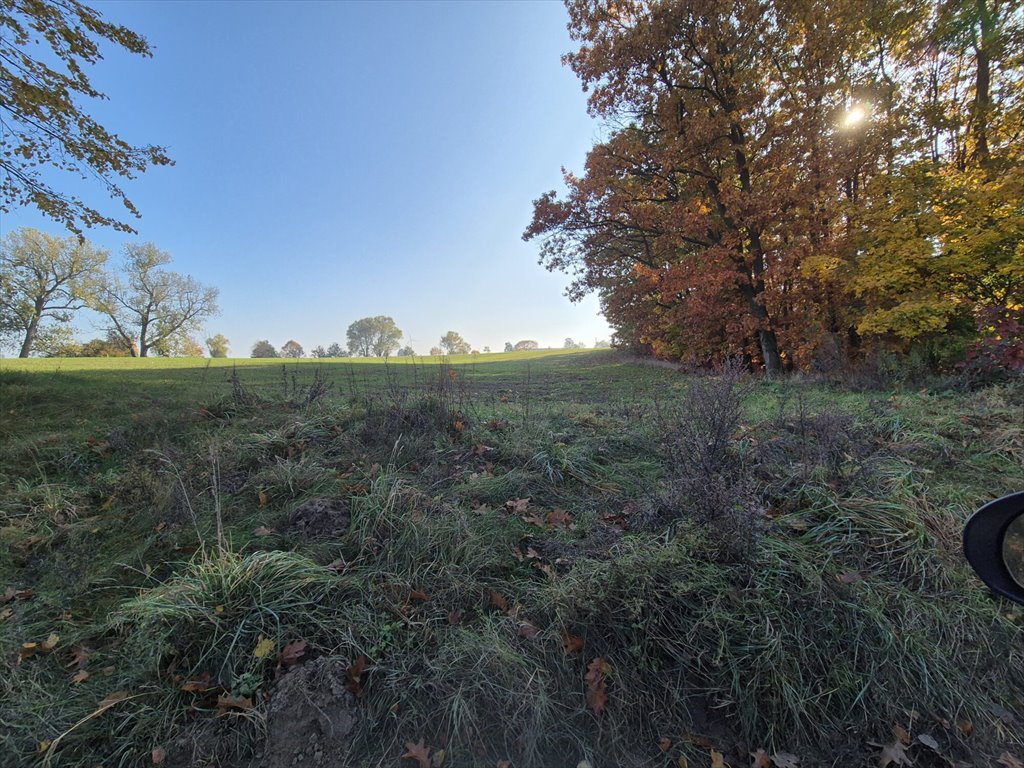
[(318, 351), (218, 345), (45, 50), (178, 345), (487, 350), (42, 278), (525, 344), (436, 352), (454, 344), (263, 348), (336, 350), (111, 346), (570, 344), (373, 336), (406, 351), (151, 306), (292, 348), (57, 341), (508, 346)]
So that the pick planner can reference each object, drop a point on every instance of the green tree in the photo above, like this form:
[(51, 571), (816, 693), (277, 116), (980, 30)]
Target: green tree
[(263, 348), (406, 351), (292, 348), (509, 347), (57, 341), (336, 350), (150, 306), (525, 344), (373, 336), (45, 278), (318, 351), (46, 49), (453, 344), (218, 345)]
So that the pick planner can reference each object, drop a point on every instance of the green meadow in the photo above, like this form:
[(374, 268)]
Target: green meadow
[(530, 559)]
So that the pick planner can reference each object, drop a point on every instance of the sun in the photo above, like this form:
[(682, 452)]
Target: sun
[(854, 116)]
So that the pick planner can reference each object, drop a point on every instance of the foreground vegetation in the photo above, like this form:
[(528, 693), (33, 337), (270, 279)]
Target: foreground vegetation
[(537, 558)]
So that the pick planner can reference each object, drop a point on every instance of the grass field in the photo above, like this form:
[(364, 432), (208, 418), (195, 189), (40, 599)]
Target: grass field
[(540, 558)]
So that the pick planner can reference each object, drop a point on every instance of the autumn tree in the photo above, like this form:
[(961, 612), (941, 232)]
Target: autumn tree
[(46, 50), (436, 352), (292, 348), (148, 305), (218, 345), (526, 345), (178, 345), (45, 278), (373, 336), (263, 348), (453, 344)]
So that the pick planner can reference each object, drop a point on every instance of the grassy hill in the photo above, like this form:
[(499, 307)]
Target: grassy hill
[(541, 558)]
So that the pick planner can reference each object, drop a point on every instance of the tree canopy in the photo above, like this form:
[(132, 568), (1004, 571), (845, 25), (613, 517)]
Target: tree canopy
[(373, 337), (453, 344), (46, 49), (786, 180)]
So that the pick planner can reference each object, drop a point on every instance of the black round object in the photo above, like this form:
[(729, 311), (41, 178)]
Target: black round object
[(983, 544)]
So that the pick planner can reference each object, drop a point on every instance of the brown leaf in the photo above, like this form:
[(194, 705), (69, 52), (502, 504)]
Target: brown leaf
[(355, 674), (498, 601), (682, 762), (5, 614), (112, 699), (16, 594), (559, 518), (480, 449), (571, 643), (80, 677), (528, 630), (419, 752), (50, 643), (262, 498), (785, 760), (227, 703), (664, 743), (1009, 761), (966, 727), (338, 566), (901, 733), (264, 531), (761, 759), (418, 596), (517, 506), (292, 653), (199, 685), (504, 764), (849, 577), (79, 657), (717, 759), (893, 754), (455, 617), (27, 651), (159, 754), (597, 687)]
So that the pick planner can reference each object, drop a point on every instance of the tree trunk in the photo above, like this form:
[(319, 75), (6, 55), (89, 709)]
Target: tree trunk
[(30, 332), (982, 82)]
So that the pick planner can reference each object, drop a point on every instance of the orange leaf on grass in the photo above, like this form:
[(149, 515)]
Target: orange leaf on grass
[(419, 752), (597, 686)]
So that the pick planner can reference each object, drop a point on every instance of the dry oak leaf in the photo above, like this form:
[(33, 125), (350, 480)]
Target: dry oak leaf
[(79, 657), (264, 531), (761, 759), (227, 703), (50, 643), (559, 518), (528, 630), (80, 677), (262, 498), (199, 685), (893, 754), (597, 689), (354, 675), (901, 733), (498, 601), (292, 653), (849, 577), (571, 643), (664, 743), (419, 752), (517, 506), (717, 759)]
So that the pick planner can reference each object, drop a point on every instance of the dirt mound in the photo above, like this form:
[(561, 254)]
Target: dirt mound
[(323, 517), (311, 717)]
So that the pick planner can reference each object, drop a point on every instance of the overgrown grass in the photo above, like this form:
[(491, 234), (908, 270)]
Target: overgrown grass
[(755, 564)]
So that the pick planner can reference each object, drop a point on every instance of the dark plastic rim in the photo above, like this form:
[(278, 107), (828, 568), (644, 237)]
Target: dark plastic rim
[(983, 544)]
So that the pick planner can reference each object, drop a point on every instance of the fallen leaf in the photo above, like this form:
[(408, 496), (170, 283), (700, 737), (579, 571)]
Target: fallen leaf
[(418, 596), (901, 733), (849, 577), (517, 506), (438, 758), (504, 764), (262, 498), (292, 653), (785, 760), (571, 643), (79, 657), (227, 703), (664, 743), (1009, 761), (499, 601), (159, 754), (16, 594), (761, 759), (355, 674), (528, 630), (597, 693), (455, 617), (111, 700), (419, 752), (43, 745), (264, 531), (263, 648), (80, 677), (893, 754), (27, 651), (218, 609), (966, 727), (559, 518), (682, 762), (6, 613), (50, 643), (717, 759), (928, 741), (199, 685)]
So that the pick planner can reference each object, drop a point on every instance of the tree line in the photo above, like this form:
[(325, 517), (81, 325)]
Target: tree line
[(800, 183), (45, 280)]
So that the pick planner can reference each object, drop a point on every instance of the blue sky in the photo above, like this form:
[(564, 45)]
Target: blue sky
[(339, 160)]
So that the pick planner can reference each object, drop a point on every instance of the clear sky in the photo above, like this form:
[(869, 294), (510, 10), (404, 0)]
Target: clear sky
[(338, 159)]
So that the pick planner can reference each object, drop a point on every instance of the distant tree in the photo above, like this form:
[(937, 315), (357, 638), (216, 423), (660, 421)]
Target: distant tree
[(526, 344), (263, 348), (44, 278), (509, 347), (487, 350), (112, 346), (292, 348), (179, 345), (454, 344), (218, 345), (406, 351), (151, 305), (336, 350), (570, 344), (436, 352), (57, 341), (45, 51), (602, 344), (373, 336), (475, 352), (318, 351)]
